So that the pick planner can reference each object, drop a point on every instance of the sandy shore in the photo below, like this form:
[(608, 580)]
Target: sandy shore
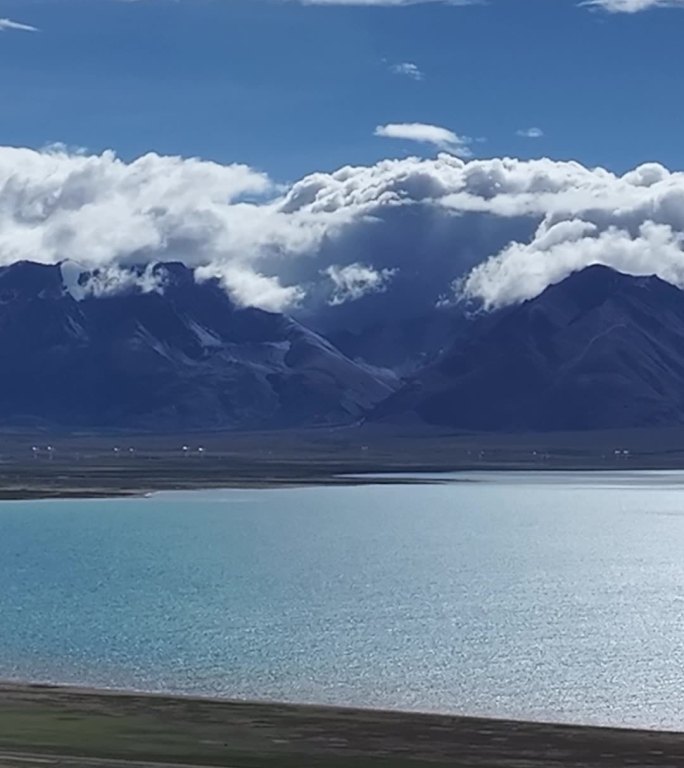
[(42, 725)]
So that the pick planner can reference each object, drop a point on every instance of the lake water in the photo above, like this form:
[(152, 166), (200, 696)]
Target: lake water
[(552, 597)]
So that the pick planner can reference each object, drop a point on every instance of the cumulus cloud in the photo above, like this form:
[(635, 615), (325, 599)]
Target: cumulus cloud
[(504, 228), (632, 6), (361, 245), (442, 138), (524, 270), (530, 133), (7, 24), (102, 212), (633, 223), (250, 288), (355, 281), (407, 69)]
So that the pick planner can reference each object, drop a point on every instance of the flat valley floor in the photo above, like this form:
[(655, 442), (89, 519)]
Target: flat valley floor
[(42, 465)]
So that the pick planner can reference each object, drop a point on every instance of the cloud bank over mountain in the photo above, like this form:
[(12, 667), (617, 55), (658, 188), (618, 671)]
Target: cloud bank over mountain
[(390, 239)]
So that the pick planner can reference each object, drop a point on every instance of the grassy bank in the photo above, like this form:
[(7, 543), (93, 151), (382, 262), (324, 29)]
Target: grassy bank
[(76, 727)]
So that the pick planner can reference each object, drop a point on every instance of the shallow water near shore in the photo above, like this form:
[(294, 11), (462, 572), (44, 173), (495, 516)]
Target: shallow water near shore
[(549, 596)]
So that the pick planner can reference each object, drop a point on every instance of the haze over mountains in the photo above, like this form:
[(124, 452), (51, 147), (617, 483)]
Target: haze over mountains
[(165, 352)]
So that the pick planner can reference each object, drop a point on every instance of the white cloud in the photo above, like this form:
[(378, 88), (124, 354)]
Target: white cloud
[(530, 133), (355, 281), (423, 133), (633, 223), (407, 69), (247, 287), (521, 225), (102, 212), (6, 24), (632, 6), (524, 270), (401, 230)]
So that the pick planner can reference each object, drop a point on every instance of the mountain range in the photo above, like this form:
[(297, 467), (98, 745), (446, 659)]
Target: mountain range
[(179, 356), (167, 352)]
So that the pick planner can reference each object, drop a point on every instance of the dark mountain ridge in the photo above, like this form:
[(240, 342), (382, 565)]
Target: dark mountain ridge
[(599, 350), (183, 356)]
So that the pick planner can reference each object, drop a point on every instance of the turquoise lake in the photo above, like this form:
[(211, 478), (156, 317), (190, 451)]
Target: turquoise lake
[(538, 596)]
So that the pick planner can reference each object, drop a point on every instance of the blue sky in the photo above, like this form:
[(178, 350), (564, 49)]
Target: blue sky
[(291, 88), (276, 90)]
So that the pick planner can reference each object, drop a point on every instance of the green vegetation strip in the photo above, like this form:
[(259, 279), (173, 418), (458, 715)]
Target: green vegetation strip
[(76, 726)]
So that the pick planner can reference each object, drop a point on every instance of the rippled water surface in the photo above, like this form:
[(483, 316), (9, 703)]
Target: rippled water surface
[(551, 596)]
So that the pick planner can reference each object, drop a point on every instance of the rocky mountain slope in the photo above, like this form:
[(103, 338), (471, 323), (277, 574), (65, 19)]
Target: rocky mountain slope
[(164, 352), (178, 356), (598, 350)]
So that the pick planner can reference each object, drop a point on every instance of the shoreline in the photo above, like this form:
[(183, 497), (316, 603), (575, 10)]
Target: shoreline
[(41, 466), (337, 481), (22, 686), (42, 721), (117, 488)]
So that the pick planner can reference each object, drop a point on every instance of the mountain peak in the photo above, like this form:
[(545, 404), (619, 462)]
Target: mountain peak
[(596, 284), (601, 349), (28, 278)]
